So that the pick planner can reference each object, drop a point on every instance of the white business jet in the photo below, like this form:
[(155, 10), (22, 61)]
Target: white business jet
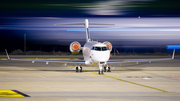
[(95, 53)]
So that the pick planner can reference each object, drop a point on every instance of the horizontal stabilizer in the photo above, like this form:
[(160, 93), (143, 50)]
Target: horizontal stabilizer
[(100, 24), (71, 24), (84, 24)]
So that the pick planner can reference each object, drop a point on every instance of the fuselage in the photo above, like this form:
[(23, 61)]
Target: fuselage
[(95, 52)]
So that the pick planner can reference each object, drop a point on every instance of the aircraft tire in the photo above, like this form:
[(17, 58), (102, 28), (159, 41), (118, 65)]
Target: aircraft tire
[(80, 69), (76, 69), (102, 72), (104, 69), (109, 69)]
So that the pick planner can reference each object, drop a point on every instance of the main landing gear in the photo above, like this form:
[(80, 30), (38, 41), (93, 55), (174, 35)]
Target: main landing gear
[(78, 69), (107, 69)]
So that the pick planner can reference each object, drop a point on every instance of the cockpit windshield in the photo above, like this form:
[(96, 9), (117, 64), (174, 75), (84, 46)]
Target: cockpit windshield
[(100, 48)]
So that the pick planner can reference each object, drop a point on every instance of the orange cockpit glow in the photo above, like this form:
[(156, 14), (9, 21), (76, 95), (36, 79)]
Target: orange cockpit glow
[(75, 46), (108, 45)]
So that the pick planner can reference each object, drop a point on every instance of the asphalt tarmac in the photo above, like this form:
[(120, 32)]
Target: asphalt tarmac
[(156, 81)]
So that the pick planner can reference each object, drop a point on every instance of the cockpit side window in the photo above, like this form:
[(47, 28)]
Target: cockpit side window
[(104, 48), (107, 48), (92, 48)]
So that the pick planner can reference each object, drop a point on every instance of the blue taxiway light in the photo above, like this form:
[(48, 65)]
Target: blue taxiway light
[(173, 46)]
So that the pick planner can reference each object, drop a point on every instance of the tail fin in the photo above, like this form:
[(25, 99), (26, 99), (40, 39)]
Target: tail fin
[(86, 24)]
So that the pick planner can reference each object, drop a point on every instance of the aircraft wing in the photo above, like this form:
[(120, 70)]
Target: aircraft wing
[(59, 61), (138, 60), (83, 62), (129, 61), (47, 61)]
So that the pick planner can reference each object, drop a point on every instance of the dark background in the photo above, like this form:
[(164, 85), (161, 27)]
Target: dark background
[(141, 26)]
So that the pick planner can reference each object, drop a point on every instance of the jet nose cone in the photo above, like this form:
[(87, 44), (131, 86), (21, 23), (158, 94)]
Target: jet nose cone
[(101, 56)]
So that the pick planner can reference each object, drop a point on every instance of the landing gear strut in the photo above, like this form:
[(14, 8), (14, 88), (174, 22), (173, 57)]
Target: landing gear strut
[(101, 64)]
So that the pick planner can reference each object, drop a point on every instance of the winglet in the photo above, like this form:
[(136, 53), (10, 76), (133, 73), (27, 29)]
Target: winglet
[(173, 54), (7, 54)]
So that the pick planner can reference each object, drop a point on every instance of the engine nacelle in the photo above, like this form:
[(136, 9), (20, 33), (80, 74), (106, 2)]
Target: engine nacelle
[(75, 47), (108, 44)]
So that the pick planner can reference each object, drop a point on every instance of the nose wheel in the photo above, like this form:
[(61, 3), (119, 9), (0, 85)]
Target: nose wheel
[(80, 69), (109, 70), (101, 72), (104, 69)]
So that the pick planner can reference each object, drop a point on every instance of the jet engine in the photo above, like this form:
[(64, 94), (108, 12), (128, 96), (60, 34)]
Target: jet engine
[(75, 47), (108, 44)]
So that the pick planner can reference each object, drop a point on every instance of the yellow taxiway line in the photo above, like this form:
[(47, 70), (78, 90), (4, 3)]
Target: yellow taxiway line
[(12, 93), (128, 81)]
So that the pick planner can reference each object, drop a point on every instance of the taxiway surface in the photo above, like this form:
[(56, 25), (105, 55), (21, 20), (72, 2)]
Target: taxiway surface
[(156, 81)]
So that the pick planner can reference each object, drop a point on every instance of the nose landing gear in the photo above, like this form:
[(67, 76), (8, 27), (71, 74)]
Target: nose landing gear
[(101, 64), (101, 72)]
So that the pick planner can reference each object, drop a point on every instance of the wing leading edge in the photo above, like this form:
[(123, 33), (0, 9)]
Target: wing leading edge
[(83, 62), (142, 60), (128, 61), (59, 61)]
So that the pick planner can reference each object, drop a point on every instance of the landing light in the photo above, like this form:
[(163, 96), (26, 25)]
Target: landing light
[(102, 62)]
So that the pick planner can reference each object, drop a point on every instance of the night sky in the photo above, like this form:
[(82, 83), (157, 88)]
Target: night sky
[(158, 25)]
